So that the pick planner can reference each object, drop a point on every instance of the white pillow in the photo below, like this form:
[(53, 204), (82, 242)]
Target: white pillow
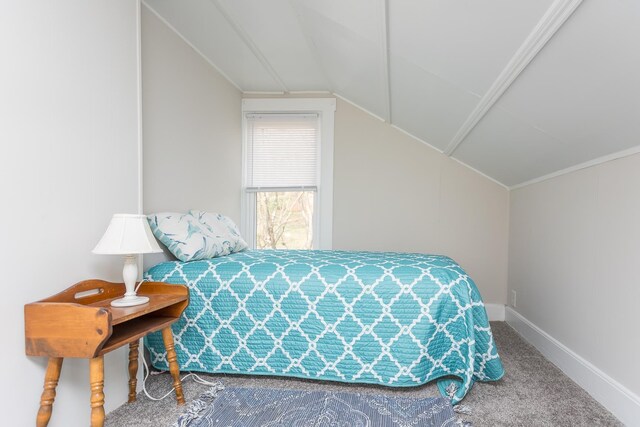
[(223, 227), (187, 238)]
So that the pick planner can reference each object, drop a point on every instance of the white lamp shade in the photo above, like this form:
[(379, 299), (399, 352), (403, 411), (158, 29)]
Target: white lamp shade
[(127, 235)]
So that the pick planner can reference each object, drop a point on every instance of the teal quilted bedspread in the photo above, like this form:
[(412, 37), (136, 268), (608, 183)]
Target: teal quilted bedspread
[(394, 319)]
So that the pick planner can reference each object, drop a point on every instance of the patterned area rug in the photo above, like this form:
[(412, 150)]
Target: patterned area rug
[(248, 407)]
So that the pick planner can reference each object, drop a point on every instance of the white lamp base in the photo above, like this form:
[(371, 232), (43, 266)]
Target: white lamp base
[(129, 274), (129, 301)]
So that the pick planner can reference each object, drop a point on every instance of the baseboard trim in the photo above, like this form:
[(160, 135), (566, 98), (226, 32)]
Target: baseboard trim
[(618, 399), (495, 312)]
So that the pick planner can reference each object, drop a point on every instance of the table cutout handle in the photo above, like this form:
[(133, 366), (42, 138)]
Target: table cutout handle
[(89, 293)]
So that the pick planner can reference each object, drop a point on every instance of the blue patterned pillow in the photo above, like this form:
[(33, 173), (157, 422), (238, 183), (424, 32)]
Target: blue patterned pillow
[(222, 226), (187, 238)]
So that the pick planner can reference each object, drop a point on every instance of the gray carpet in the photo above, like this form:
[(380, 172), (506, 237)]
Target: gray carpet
[(533, 392)]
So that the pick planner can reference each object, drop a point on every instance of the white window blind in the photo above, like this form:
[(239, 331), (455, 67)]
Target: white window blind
[(282, 151)]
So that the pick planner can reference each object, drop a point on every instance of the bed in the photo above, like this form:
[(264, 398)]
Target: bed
[(393, 319)]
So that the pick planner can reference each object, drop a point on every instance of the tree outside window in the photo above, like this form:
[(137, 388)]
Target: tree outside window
[(284, 220)]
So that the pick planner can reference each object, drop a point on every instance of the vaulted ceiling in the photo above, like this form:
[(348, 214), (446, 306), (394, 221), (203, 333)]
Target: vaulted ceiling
[(515, 89)]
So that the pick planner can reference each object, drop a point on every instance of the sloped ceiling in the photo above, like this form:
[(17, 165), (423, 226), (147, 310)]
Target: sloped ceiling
[(515, 89)]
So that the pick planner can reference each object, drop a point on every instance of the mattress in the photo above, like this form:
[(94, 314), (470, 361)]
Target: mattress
[(394, 319)]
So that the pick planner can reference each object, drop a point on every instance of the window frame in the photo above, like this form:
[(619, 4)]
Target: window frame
[(323, 200)]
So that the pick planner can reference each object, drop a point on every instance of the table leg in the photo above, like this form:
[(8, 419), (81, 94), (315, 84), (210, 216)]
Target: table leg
[(167, 337), (133, 370), (51, 377), (96, 378)]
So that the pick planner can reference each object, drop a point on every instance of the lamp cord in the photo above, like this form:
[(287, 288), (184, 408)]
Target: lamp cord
[(147, 372), (138, 287)]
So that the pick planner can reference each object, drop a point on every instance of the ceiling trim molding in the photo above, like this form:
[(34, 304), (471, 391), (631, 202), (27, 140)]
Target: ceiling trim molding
[(385, 58), (191, 45), (310, 92), (358, 106), (549, 24), (281, 93), (246, 38), (433, 147), (263, 92), (590, 163), (417, 138), (495, 181)]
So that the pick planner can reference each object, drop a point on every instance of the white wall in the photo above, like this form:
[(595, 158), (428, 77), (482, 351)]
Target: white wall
[(573, 260), (69, 150), (192, 128), (393, 193)]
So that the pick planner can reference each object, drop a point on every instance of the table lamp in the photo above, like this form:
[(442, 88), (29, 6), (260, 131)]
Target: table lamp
[(128, 235)]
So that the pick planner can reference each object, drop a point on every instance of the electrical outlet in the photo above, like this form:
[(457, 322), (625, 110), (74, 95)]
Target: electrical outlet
[(513, 298)]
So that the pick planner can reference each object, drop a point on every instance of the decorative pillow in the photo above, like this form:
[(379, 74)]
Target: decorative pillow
[(187, 238), (222, 226)]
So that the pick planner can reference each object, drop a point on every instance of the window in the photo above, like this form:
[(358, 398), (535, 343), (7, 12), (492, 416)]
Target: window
[(288, 172)]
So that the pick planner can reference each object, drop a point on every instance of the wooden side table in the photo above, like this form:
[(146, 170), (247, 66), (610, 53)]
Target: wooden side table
[(80, 322)]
